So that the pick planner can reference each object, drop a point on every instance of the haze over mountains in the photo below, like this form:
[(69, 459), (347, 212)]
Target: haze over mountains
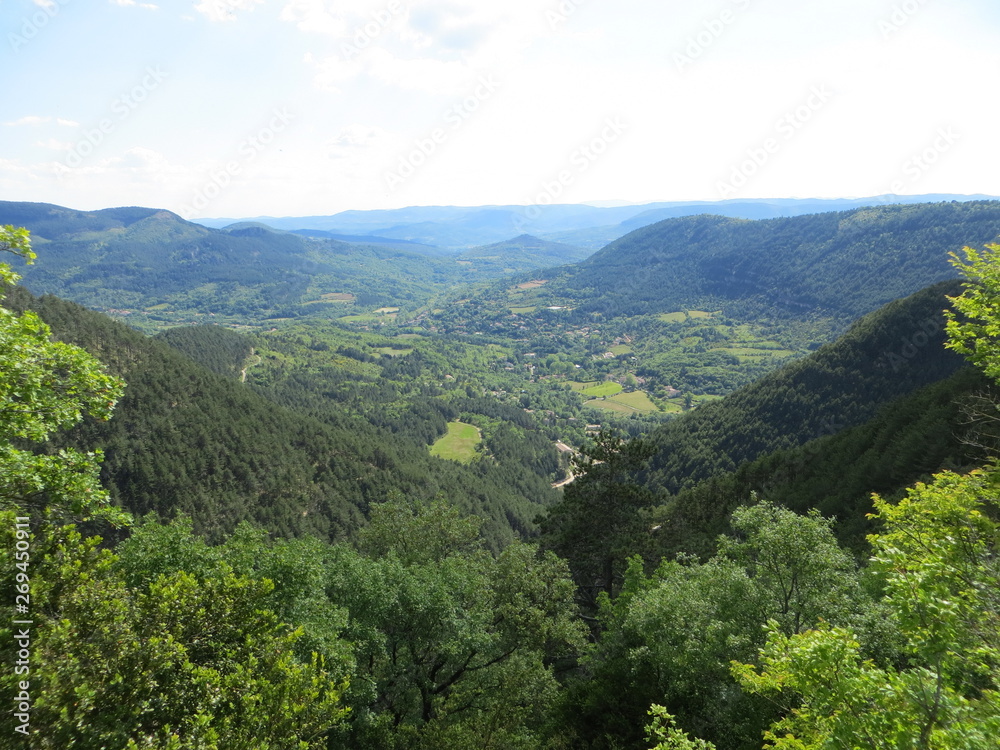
[(588, 226)]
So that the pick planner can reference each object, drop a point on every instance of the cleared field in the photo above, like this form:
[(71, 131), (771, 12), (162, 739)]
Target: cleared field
[(533, 284), (625, 403), (366, 318), (674, 317), (680, 317), (337, 297), (621, 349), (459, 444), (523, 310), (602, 390), (750, 353), (392, 352)]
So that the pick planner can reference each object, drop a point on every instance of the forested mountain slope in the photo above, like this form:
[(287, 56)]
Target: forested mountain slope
[(910, 438), (522, 253), (833, 264), (886, 354), (185, 439), (153, 267)]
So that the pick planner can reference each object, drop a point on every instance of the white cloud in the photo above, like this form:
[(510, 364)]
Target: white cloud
[(54, 145), (224, 10), (420, 74), (330, 72), (133, 3), (29, 120), (354, 139), (67, 123), (312, 16)]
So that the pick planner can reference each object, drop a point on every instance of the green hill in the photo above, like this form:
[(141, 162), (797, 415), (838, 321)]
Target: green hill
[(154, 269), (887, 354), (186, 439), (908, 439), (842, 264), (521, 254)]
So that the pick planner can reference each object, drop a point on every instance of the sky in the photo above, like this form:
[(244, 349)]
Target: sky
[(243, 108)]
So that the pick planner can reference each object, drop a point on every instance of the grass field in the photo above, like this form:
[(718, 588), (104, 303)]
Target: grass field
[(620, 349), (367, 318), (625, 403), (595, 389), (746, 353), (680, 317), (459, 444)]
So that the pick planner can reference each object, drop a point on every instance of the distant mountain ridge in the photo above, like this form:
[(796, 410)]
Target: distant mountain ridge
[(844, 264), (152, 265), (523, 253), (588, 226)]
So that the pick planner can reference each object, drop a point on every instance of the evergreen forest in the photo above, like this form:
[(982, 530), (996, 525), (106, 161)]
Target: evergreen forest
[(723, 483)]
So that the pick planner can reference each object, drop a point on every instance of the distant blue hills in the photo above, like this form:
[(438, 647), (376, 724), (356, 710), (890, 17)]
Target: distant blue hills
[(458, 228)]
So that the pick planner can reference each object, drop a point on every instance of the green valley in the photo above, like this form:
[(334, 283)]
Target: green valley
[(442, 507)]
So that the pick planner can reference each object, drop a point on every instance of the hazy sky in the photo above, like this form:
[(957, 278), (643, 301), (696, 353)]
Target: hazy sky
[(293, 107)]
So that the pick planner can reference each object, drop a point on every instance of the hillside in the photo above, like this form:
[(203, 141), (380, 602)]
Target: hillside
[(153, 269), (185, 439), (580, 225), (908, 439), (521, 254), (841, 265), (887, 354), (873, 411), (699, 306)]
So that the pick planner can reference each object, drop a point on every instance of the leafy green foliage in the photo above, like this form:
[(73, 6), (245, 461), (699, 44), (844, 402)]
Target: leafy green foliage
[(667, 736), (47, 386), (599, 520), (667, 639), (937, 555), (977, 334), (178, 661), (453, 645)]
